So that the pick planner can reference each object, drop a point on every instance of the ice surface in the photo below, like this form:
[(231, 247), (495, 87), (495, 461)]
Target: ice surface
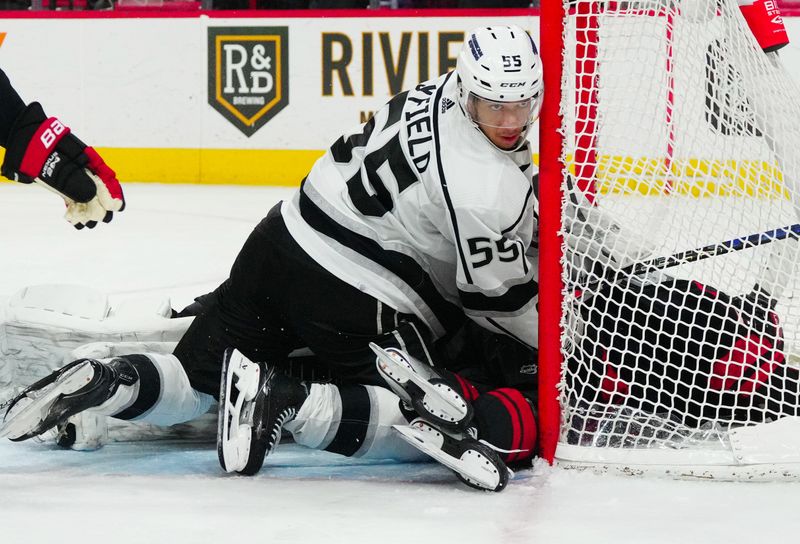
[(180, 241)]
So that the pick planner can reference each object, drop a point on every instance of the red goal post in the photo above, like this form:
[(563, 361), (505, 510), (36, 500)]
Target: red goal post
[(551, 45)]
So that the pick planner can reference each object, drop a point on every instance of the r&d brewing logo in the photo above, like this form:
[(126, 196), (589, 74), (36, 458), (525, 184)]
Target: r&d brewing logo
[(248, 69)]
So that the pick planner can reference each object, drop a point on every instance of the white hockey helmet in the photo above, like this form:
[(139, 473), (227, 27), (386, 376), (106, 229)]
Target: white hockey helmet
[(500, 66)]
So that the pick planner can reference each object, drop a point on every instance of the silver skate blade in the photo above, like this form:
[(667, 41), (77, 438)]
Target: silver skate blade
[(400, 370), (426, 443), (23, 421)]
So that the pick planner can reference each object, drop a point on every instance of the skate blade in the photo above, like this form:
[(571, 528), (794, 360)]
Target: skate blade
[(398, 369), (477, 472), (233, 437), (27, 419)]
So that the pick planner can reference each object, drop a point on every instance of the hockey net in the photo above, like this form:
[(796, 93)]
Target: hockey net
[(668, 129)]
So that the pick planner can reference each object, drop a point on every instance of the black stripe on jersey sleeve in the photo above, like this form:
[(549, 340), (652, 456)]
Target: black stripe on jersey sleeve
[(443, 181), (522, 249), (402, 266), (511, 301), (396, 108)]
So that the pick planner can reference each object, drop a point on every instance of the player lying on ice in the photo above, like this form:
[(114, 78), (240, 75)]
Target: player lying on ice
[(676, 350), (41, 149), (707, 358), (406, 228)]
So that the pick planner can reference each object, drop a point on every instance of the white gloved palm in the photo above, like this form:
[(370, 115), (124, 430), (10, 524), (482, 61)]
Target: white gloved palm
[(100, 208)]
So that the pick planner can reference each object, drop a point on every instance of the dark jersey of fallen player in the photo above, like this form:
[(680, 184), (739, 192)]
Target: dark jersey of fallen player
[(685, 351)]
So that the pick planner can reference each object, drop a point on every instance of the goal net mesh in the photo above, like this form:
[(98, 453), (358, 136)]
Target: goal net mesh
[(679, 133)]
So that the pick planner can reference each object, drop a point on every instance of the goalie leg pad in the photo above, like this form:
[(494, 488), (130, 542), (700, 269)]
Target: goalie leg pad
[(474, 463), (85, 431), (422, 388), (43, 324)]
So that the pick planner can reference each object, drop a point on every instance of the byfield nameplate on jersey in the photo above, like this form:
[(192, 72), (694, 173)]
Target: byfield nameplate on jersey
[(248, 80)]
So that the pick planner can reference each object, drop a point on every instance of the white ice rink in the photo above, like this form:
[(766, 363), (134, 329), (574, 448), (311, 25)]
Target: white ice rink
[(180, 241)]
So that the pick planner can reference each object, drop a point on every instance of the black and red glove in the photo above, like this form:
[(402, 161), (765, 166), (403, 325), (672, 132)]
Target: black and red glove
[(43, 150)]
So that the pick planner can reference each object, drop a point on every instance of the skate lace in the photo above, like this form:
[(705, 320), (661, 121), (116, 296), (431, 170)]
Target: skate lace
[(284, 417), (500, 450), (472, 432)]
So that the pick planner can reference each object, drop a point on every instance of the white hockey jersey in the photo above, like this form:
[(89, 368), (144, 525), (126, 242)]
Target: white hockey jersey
[(420, 211)]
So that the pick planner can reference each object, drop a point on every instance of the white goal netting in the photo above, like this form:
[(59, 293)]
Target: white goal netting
[(679, 133)]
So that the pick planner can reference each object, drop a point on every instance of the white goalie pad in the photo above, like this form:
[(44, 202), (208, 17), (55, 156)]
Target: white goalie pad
[(44, 327), (40, 326)]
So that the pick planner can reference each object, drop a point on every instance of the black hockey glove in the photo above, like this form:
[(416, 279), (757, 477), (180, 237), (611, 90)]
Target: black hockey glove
[(44, 151)]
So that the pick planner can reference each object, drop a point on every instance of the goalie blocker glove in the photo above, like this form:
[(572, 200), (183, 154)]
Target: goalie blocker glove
[(43, 150), (765, 22)]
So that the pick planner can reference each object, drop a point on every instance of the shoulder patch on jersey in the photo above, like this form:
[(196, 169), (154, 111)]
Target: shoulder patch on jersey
[(447, 104)]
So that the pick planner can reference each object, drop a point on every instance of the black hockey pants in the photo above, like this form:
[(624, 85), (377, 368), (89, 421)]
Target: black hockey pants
[(277, 299)]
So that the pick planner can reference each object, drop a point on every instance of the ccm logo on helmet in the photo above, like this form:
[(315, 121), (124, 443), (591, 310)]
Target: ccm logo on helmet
[(513, 85)]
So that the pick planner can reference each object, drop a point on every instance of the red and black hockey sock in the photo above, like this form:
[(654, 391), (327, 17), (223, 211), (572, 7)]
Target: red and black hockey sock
[(505, 418)]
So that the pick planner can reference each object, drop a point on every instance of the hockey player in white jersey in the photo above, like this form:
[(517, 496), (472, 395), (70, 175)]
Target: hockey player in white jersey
[(409, 226)]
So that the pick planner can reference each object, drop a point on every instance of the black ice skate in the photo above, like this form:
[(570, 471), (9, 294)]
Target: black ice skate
[(80, 385), (255, 402), (422, 388), (475, 463)]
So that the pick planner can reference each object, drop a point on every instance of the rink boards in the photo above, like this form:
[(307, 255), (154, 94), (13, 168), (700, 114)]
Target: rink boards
[(216, 98)]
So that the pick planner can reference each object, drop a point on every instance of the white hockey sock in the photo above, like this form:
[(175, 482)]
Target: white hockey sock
[(121, 399), (350, 426), (161, 396), (317, 418)]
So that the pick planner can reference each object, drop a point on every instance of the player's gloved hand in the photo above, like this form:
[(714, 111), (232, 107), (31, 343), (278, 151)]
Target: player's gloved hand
[(44, 151)]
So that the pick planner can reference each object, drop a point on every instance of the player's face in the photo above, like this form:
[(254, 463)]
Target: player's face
[(503, 122)]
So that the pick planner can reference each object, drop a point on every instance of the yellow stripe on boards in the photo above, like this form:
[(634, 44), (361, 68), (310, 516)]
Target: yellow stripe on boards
[(618, 175), (283, 167), (698, 178)]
